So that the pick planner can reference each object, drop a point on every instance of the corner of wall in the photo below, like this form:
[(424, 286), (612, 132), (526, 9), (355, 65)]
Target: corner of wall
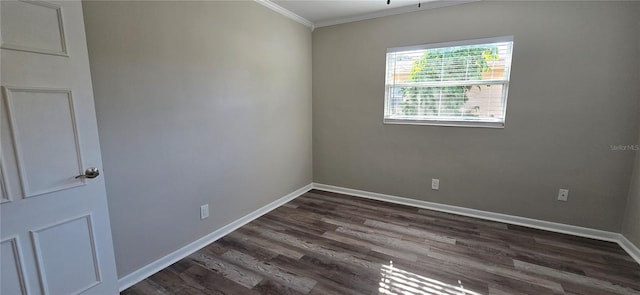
[(631, 217)]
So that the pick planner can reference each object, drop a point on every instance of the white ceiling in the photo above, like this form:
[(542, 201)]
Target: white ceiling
[(330, 12), (322, 10)]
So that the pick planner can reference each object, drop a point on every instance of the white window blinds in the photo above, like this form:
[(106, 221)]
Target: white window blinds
[(456, 83)]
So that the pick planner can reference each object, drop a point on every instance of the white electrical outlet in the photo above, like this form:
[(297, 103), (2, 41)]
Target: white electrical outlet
[(563, 194), (435, 184), (204, 211)]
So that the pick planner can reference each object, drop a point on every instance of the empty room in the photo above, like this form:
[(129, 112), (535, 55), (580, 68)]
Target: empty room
[(470, 147)]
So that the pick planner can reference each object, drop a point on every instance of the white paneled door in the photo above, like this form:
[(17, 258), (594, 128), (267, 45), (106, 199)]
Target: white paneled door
[(55, 232)]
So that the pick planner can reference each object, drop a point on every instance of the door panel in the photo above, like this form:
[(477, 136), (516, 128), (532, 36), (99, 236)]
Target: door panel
[(4, 195), (45, 139), (11, 186), (69, 243), (55, 232), (12, 273), (33, 26)]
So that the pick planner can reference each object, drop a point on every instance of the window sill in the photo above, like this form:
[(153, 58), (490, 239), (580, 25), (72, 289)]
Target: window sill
[(495, 125)]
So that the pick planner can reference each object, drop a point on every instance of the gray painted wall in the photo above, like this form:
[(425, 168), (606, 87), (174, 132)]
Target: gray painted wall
[(197, 102), (574, 92), (631, 225)]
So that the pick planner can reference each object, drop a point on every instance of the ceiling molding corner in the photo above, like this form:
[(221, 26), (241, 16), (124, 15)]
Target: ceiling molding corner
[(394, 11), (277, 8)]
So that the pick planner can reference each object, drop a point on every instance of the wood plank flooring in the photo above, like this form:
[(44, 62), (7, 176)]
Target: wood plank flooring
[(328, 243)]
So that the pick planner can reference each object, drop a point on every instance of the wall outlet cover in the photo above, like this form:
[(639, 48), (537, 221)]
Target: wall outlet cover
[(435, 184), (563, 194), (204, 211)]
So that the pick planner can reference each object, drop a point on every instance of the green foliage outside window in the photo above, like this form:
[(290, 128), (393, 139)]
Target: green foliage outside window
[(446, 65)]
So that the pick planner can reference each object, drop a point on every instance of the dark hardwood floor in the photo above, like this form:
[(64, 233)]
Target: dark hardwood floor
[(327, 243)]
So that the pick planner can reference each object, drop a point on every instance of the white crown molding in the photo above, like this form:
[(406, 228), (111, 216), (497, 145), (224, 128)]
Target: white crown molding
[(277, 8), (394, 11), (336, 21)]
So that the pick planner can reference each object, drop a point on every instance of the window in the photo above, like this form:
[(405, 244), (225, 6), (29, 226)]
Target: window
[(452, 84)]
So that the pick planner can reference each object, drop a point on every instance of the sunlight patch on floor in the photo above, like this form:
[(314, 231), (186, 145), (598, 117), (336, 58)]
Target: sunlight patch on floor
[(394, 281)]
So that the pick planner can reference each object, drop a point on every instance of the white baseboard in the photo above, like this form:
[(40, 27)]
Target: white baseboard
[(632, 249), (148, 270), (510, 219)]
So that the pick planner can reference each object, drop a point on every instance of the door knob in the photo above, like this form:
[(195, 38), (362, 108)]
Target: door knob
[(90, 173)]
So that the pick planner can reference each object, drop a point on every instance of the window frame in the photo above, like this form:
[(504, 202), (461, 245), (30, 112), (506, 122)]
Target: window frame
[(454, 123)]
